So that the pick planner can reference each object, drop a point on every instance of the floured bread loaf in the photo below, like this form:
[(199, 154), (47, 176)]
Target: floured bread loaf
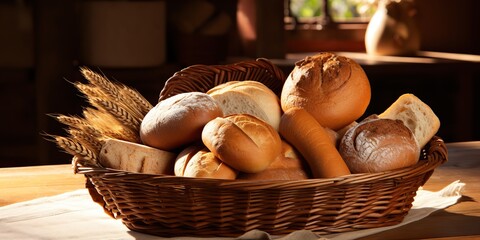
[(138, 158), (248, 97), (178, 121), (377, 145), (416, 115)]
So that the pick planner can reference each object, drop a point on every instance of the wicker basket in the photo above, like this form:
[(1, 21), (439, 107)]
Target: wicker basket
[(179, 206), (202, 78)]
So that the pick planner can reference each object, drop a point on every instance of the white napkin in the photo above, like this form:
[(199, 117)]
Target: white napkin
[(74, 215)]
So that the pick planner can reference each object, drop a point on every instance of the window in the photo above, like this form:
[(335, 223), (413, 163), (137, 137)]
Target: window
[(325, 12), (327, 25)]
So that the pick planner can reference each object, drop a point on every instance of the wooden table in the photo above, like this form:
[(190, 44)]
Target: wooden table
[(460, 221)]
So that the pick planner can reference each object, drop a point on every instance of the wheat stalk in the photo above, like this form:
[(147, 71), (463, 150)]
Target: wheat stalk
[(100, 81), (120, 113), (75, 148), (89, 90), (140, 101), (71, 121), (109, 126), (87, 139), (116, 112), (115, 92)]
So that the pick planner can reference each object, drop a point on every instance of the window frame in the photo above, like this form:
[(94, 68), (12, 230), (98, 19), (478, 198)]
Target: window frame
[(323, 33)]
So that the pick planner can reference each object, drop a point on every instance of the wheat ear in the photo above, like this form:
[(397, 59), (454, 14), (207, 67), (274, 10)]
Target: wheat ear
[(140, 101), (71, 121), (84, 138), (115, 92), (109, 126), (75, 148), (100, 81), (122, 115)]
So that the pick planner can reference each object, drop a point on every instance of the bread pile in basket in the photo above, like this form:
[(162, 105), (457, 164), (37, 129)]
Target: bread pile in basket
[(242, 122)]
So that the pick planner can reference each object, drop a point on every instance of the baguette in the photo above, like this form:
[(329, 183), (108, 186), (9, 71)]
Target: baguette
[(301, 130)]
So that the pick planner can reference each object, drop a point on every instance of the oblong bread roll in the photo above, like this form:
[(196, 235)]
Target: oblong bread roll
[(301, 130)]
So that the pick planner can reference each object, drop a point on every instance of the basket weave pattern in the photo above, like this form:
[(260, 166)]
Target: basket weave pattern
[(201, 78), (179, 206)]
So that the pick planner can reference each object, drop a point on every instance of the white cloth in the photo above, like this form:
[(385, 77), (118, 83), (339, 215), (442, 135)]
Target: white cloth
[(74, 215)]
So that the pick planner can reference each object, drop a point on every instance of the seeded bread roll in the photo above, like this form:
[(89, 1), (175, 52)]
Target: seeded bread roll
[(416, 115), (334, 89), (248, 97), (377, 145), (178, 121), (198, 161), (242, 141)]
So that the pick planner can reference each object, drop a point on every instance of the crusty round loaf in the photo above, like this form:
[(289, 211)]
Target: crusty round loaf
[(334, 89), (242, 141), (248, 97), (198, 161), (377, 145), (289, 165), (178, 121)]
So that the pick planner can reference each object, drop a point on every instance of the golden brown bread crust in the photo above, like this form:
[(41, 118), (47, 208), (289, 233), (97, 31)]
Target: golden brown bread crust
[(334, 89), (300, 129), (248, 97), (289, 165), (178, 121), (198, 161), (242, 141), (376, 145)]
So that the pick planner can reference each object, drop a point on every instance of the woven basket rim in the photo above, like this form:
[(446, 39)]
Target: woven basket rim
[(436, 154), (219, 74)]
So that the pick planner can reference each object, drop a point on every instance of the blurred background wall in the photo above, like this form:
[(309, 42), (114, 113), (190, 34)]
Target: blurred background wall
[(43, 44)]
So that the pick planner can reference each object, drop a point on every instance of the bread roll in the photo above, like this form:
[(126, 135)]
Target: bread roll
[(289, 165), (301, 130), (248, 97), (377, 145), (198, 161), (242, 141), (133, 157), (416, 115), (334, 89), (178, 121)]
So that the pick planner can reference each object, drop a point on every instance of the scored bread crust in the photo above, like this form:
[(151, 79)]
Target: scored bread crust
[(198, 161), (242, 141), (377, 145), (334, 89)]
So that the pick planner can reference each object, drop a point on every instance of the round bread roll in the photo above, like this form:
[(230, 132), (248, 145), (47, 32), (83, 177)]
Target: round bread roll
[(242, 141), (289, 165), (334, 89), (198, 161), (377, 145), (178, 120), (248, 97)]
